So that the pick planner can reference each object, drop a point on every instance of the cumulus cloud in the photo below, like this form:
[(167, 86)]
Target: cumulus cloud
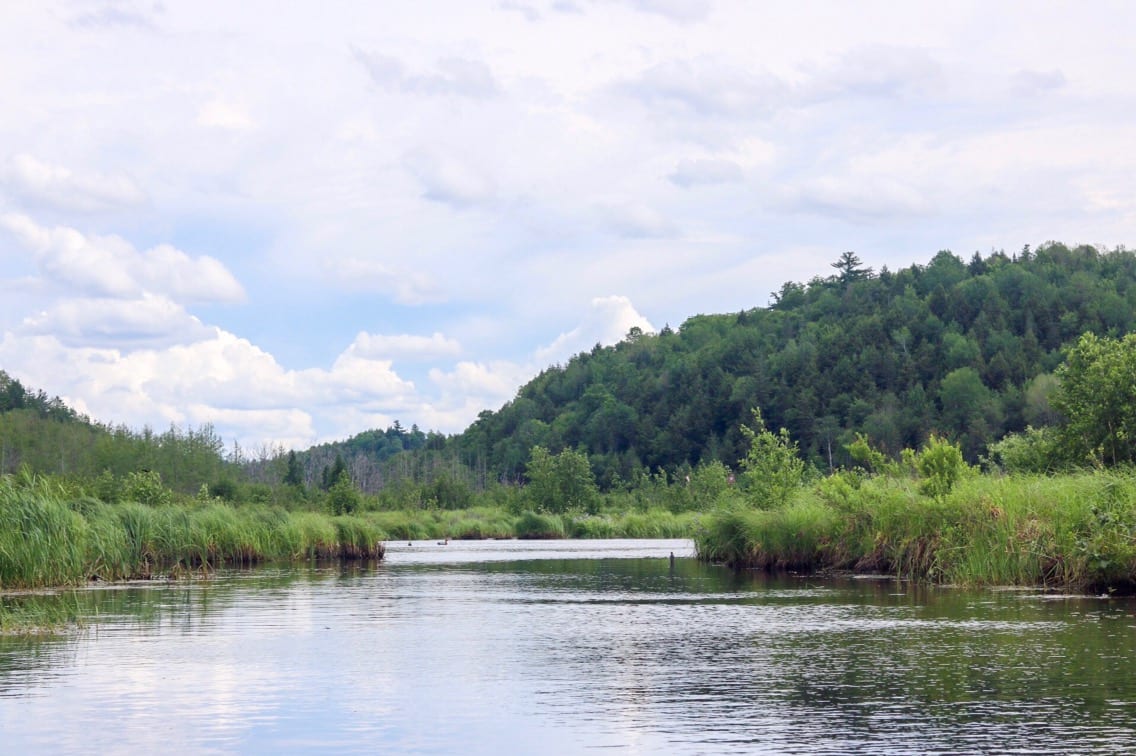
[(109, 266), (221, 379), (60, 188), (149, 321), (607, 322), (405, 346), (494, 381), (462, 77)]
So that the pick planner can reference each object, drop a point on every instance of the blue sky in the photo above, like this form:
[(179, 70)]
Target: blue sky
[(300, 221)]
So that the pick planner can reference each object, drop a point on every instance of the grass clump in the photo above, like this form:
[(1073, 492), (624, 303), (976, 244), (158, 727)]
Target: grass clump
[(1075, 531)]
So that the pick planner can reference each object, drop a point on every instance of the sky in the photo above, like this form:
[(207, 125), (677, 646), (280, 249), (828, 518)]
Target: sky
[(299, 221)]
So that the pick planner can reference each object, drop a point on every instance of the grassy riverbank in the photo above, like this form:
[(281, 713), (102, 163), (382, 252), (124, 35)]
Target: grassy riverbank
[(52, 535), (1075, 531)]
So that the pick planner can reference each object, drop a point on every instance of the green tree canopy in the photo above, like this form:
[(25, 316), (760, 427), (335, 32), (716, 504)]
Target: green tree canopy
[(1097, 396)]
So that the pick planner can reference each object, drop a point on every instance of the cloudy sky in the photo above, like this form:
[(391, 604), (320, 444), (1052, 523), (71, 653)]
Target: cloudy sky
[(298, 221)]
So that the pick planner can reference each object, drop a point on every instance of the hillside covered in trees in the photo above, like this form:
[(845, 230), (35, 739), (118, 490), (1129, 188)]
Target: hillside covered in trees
[(962, 349)]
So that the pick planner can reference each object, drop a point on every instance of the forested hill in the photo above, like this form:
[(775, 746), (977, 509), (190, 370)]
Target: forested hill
[(964, 349)]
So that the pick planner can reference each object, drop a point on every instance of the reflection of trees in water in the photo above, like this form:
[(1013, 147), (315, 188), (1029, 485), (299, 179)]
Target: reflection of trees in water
[(29, 660)]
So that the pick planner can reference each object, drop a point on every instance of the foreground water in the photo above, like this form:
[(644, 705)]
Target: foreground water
[(565, 647)]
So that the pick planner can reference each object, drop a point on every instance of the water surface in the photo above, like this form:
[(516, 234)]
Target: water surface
[(568, 647)]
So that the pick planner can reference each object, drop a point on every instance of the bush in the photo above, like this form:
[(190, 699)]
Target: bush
[(941, 465), (774, 468)]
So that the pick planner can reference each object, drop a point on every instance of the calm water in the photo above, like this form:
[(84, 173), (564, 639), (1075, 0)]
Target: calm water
[(567, 647)]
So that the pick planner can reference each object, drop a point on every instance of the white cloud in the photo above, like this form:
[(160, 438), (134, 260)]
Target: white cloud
[(113, 14), (494, 381), (857, 198), (682, 11), (708, 88), (635, 220), (462, 77), (61, 188), (406, 286), (1032, 83), (528, 12), (221, 379), (706, 171), (224, 115), (450, 180), (607, 322), (150, 321), (404, 346), (876, 71), (108, 266)]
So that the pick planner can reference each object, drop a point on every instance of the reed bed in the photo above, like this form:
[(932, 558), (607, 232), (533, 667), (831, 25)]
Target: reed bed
[(49, 538), (1074, 531)]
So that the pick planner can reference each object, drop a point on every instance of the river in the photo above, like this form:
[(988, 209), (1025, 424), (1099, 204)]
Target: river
[(568, 647)]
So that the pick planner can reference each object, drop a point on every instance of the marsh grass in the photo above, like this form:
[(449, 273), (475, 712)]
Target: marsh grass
[(1073, 531), (49, 538)]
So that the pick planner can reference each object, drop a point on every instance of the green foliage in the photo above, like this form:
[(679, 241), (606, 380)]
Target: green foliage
[(941, 466), (294, 474), (342, 497), (1035, 450), (1075, 531), (869, 459), (560, 482), (773, 469), (707, 484), (332, 476), (1097, 397), (145, 487)]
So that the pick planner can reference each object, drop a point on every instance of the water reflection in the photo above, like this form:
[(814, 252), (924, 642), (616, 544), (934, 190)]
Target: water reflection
[(569, 646)]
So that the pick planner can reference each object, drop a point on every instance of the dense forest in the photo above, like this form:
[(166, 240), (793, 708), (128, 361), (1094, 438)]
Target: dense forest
[(962, 349)]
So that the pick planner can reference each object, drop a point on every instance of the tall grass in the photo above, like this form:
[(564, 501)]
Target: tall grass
[(1072, 531), (49, 537)]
